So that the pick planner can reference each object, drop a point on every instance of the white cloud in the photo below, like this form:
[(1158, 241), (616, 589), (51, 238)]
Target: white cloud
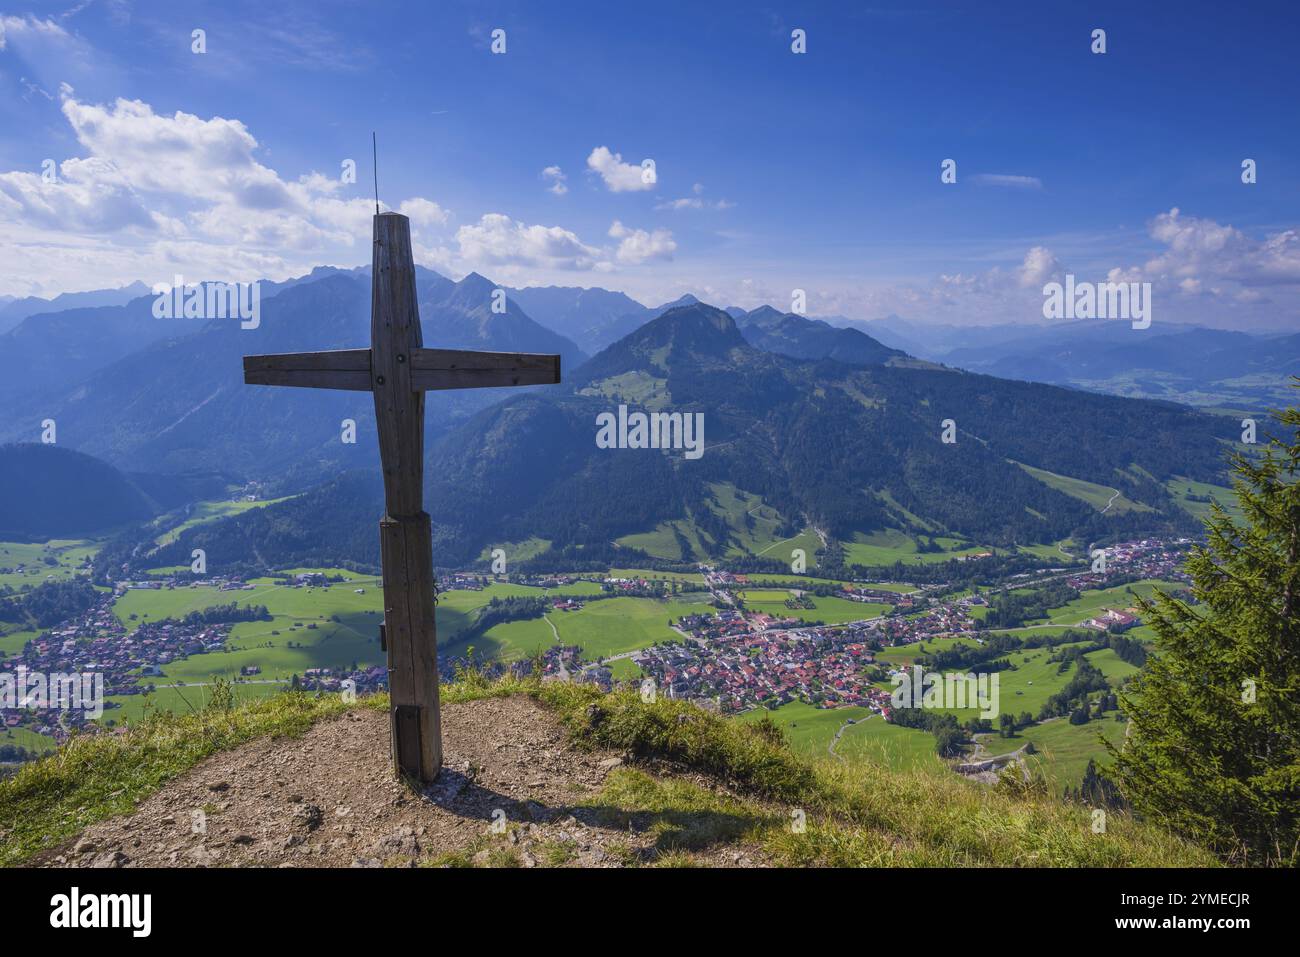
[(496, 239), (621, 177), (1202, 249), (179, 185), (694, 202), (423, 213), (556, 177), (1039, 266), (1008, 180), (637, 245), (19, 28)]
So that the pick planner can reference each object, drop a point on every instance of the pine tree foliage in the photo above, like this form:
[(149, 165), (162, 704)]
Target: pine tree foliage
[(1214, 743)]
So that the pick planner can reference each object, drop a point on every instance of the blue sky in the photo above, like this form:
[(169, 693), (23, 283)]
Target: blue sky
[(774, 170)]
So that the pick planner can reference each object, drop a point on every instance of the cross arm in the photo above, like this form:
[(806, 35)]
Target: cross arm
[(431, 369), (337, 369), (434, 369)]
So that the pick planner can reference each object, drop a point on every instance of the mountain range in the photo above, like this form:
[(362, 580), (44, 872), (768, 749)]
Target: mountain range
[(178, 402), (1202, 367), (807, 424), (846, 449)]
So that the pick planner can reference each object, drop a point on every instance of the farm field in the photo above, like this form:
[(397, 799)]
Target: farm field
[(880, 742), (1183, 489), (180, 699), (68, 556), (11, 642), (1028, 684), (808, 730), (615, 625), (831, 610), (23, 738), (890, 546), (767, 580), (897, 655), (518, 551), (661, 541), (651, 575), (1064, 748), (508, 641), (1053, 553)]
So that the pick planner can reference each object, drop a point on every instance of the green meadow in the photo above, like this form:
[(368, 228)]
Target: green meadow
[(891, 545), (1101, 497), (67, 556), (753, 529), (894, 746), (870, 738), (1184, 489), (831, 610), (616, 625), (22, 738), (1091, 603), (695, 577), (335, 627), (808, 729), (1063, 749), (203, 513)]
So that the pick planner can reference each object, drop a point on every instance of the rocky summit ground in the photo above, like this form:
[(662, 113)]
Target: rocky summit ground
[(513, 792)]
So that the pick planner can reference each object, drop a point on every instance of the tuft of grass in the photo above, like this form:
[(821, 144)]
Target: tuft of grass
[(684, 734)]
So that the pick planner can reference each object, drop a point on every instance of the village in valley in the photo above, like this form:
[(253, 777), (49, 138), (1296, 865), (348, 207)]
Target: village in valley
[(734, 642)]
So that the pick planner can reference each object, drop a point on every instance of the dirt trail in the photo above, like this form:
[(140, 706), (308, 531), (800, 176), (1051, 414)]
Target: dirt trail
[(329, 799)]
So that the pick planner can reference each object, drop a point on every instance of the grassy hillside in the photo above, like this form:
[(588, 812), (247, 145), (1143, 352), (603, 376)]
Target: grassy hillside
[(857, 814)]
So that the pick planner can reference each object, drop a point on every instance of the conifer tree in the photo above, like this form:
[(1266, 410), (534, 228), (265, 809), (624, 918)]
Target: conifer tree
[(1214, 742)]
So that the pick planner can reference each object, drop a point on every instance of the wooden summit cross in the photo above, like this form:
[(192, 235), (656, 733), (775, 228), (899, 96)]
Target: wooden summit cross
[(398, 370)]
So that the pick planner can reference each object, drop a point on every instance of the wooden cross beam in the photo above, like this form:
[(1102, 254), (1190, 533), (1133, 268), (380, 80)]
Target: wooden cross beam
[(399, 370)]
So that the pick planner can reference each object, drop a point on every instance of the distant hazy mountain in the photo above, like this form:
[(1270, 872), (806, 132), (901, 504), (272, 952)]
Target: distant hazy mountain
[(575, 312), (180, 404), (1197, 366), (49, 352), (802, 338), (594, 318), (849, 449), (458, 315), (14, 311)]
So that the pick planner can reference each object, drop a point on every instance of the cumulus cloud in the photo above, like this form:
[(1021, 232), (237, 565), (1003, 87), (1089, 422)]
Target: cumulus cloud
[(620, 177), (1039, 266), (638, 245), (423, 212), (1202, 249), (555, 176), (179, 185), (496, 239)]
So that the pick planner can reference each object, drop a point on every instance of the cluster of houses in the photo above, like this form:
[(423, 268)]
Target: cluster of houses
[(1146, 558), (219, 582), (824, 666), (96, 642), (364, 680)]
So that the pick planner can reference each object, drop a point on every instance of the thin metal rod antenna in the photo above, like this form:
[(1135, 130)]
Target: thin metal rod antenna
[(374, 145)]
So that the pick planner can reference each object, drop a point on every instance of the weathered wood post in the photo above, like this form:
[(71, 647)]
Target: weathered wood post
[(398, 370), (404, 536)]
